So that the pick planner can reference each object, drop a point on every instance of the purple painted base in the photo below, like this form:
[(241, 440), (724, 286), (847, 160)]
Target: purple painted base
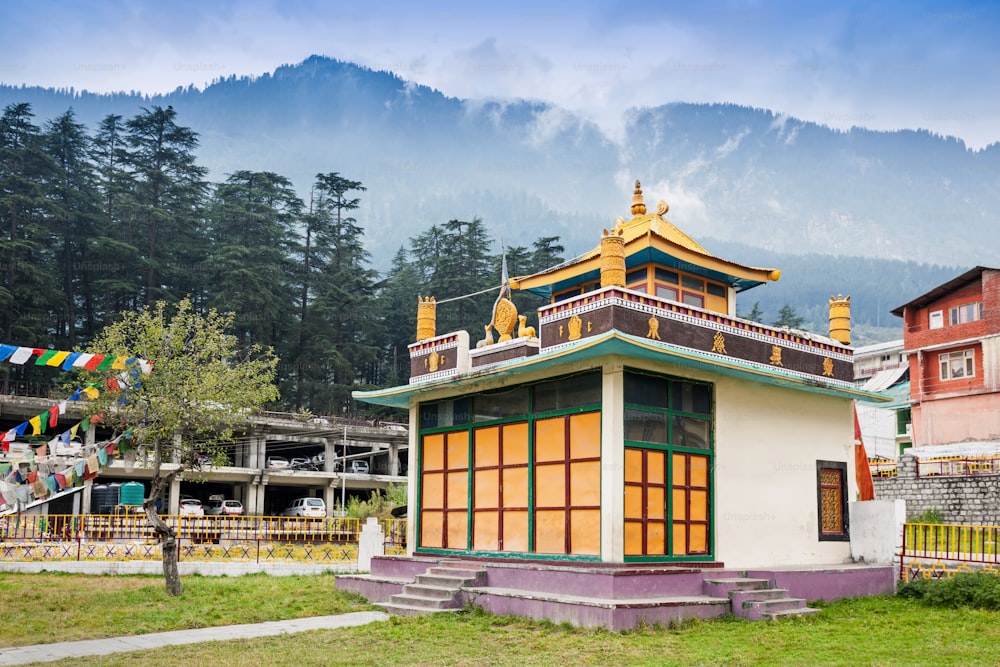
[(618, 597)]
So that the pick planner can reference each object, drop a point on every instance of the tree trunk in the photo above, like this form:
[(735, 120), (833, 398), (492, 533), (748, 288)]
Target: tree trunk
[(168, 539)]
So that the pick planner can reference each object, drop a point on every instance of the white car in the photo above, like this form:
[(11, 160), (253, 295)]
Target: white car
[(306, 507), (191, 507), (277, 462), (224, 508)]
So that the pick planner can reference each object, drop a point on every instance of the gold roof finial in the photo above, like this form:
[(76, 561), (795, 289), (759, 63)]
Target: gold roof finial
[(638, 205)]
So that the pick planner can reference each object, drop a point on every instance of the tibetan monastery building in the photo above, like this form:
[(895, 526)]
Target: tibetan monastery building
[(639, 420)]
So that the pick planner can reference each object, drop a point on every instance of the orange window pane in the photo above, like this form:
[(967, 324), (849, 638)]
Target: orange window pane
[(680, 539), (485, 531), (633, 465), (458, 526), (699, 471), (515, 487), (432, 489), (550, 439), (487, 447), (585, 483), (550, 532), (680, 505), (585, 435), (458, 490), (698, 506), (656, 506), (433, 454), (680, 469), (656, 538), (698, 534), (515, 443), (515, 531), (431, 524), (585, 532), (657, 471), (458, 450), (633, 538), (487, 489), (550, 485), (633, 502)]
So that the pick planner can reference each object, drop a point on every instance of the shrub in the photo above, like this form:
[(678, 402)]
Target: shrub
[(979, 590), (929, 516)]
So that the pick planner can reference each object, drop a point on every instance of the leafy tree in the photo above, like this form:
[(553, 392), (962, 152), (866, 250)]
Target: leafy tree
[(397, 310), (788, 318), (203, 384)]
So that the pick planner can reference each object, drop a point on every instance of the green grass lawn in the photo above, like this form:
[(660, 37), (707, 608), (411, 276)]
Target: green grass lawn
[(868, 631)]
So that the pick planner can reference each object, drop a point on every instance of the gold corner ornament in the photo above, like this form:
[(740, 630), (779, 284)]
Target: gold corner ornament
[(654, 329), (719, 343), (613, 257), (776, 356), (828, 367), (426, 318), (575, 327)]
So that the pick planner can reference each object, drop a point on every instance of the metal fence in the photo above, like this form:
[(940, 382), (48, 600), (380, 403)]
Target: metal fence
[(215, 538), (958, 466), (940, 550)]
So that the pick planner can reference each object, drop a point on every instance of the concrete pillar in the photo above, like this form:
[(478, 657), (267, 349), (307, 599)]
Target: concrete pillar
[(261, 490), (174, 497), (613, 463), (393, 459), (330, 451), (330, 496), (257, 445), (88, 487)]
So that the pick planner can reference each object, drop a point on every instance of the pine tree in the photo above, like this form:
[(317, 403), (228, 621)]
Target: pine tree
[(788, 318), (166, 204), (75, 208)]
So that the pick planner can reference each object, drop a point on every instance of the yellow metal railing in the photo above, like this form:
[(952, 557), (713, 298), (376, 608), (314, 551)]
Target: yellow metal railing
[(939, 550), (216, 538)]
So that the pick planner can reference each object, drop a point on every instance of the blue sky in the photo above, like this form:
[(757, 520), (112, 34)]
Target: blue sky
[(894, 65)]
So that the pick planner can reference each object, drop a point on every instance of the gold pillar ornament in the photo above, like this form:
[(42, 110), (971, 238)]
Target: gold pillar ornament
[(638, 205), (840, 319), (613, 258), (426, 318)]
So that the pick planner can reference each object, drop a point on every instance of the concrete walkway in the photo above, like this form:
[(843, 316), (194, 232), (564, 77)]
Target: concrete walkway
[(71, 650)]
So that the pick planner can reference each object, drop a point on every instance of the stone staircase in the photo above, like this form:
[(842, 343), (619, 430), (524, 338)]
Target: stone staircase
[(755, 599), (438, 590)]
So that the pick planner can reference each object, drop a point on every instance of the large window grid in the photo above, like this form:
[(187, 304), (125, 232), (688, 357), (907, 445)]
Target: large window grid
[(668, 461), (503, 452)]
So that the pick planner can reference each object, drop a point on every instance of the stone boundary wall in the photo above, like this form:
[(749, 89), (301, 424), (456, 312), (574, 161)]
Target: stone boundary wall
[(971, 499)]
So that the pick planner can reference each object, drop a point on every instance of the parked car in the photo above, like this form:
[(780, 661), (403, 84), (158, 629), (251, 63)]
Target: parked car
[(305, 507), (224, 508), (359, 467), (318, 460), (277, 462), (301, 464), (190, 507)]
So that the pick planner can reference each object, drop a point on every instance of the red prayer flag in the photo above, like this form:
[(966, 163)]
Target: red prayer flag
[(53, 415), (862, 472), (94, 362)]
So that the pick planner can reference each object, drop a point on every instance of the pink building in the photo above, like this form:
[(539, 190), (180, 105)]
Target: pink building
[(952, 337)]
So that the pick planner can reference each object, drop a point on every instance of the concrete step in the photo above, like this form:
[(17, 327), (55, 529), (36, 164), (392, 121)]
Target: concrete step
[(444, 581), (421, 602), (424, 590), (759, 609), (721, 587), (789, 613), (469, 572), (399, 609), (756, 595)]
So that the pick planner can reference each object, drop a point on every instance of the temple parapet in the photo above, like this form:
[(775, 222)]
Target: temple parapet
[(439, 357), (667, 322)]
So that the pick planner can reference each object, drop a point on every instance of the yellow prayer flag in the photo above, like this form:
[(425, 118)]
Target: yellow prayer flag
[(119, 363), (57, 359), (90, 392), (36, 425)]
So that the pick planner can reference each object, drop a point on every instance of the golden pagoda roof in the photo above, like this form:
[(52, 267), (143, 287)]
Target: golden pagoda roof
[(649, 238)]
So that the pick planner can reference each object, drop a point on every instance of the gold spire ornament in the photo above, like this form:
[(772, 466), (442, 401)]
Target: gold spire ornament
[(638, 205)]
